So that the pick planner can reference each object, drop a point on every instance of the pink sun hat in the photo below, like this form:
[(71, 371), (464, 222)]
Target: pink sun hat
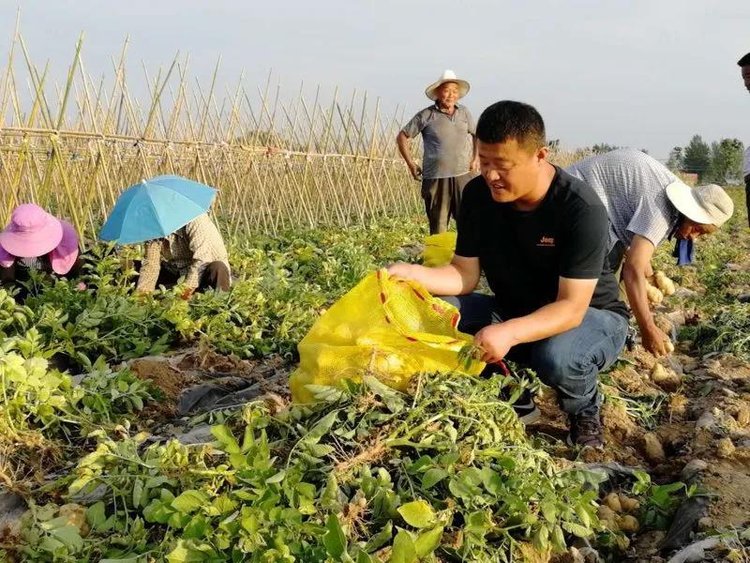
[(32, 232)]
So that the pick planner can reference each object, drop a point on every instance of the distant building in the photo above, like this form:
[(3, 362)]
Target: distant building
[(690, 178)]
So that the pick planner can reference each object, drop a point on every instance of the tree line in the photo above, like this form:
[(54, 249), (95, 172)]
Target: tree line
[(719, 162)]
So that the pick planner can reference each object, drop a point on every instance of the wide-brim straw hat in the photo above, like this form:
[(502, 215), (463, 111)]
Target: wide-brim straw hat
[(32, 232), (448, 76), (708, 205)]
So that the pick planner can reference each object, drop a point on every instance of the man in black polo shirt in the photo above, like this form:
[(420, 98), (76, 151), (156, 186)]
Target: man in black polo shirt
[(540, 237)]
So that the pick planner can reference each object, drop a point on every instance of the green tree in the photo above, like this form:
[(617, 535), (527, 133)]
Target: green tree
[(601, 148), (726, 161), (675, 161), (697, 157)]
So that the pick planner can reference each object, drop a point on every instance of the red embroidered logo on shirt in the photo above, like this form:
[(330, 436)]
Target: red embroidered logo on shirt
[(546, 241)]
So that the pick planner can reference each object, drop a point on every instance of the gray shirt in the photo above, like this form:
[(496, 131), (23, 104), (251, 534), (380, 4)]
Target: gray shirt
[(446, 138), (632, 185)]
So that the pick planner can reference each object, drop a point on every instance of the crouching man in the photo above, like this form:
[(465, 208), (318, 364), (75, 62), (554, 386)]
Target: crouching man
[(540, 237)]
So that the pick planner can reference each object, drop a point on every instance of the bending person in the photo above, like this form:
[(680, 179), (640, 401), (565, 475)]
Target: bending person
[(195, 252), (36, 240), (647, 204)]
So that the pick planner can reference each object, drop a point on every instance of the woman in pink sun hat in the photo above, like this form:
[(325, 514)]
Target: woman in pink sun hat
[(36, 240)]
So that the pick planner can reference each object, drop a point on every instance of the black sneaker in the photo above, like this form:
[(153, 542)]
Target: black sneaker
[(585, 431)]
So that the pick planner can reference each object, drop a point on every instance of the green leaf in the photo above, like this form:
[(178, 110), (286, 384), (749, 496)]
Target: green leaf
[(137, 493), (225, 437), (334, 538), (428, 541), (583, 513), (549, 511), (380, 539), (322, 426), (96, 515), (541, 538), (70, 536), (196, 528), (417, 513), (558, 539), (433, 476), (393, 399), (189, 500), (276, 478), (183, 554), (403, 549), (577, 529)]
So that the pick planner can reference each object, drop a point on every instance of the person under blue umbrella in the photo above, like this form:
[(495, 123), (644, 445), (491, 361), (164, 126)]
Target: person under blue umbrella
[(168, 215), (195, 252)]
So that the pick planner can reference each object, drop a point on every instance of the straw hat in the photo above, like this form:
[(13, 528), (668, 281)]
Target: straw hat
[(32, 232), (708, 205), (448, 76)]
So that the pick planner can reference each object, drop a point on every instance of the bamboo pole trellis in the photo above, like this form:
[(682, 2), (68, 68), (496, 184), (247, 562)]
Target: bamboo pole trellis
[(277, 162)]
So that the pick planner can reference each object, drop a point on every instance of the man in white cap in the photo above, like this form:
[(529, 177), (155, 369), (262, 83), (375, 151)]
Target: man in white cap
[(647, 204), (450, 155)]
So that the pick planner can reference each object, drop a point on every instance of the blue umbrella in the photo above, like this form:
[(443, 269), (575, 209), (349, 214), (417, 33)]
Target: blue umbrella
[(156, 208)]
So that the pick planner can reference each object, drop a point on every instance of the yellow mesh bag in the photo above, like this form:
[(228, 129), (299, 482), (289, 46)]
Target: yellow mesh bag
[(386, 327), (439, 249)]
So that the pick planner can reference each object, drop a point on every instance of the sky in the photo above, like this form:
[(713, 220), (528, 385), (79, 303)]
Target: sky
[(642, 73)]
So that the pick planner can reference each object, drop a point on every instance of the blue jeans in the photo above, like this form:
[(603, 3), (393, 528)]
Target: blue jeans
[(569, 362)]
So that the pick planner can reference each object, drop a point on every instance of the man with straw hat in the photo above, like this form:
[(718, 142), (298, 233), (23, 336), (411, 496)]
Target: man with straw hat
[(647, 204), (36, 240), (450, 155)]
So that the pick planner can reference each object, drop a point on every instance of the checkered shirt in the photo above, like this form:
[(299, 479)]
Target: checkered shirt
[(187, 252), (632, 186)]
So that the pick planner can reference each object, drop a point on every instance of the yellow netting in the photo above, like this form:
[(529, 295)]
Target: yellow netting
[(439, 249), (386, 327)]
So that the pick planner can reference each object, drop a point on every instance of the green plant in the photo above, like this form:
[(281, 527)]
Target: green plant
[(363, 472), (660, 501)]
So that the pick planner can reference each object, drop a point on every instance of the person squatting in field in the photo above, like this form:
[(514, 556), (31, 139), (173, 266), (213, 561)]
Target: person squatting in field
[(36, 240), (195, 252), (449, 158), (647, 204), (744, 64), (540, 237)]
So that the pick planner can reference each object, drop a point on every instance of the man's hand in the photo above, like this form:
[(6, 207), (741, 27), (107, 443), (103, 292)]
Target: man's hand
[(655, 340), (416, 171), (401, 270), (474, 166), (495, 341)]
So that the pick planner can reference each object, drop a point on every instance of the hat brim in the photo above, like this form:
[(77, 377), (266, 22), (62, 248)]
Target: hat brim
[(33, 244), (463, 87), (6, 259), (64, 256), (682, 197)]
